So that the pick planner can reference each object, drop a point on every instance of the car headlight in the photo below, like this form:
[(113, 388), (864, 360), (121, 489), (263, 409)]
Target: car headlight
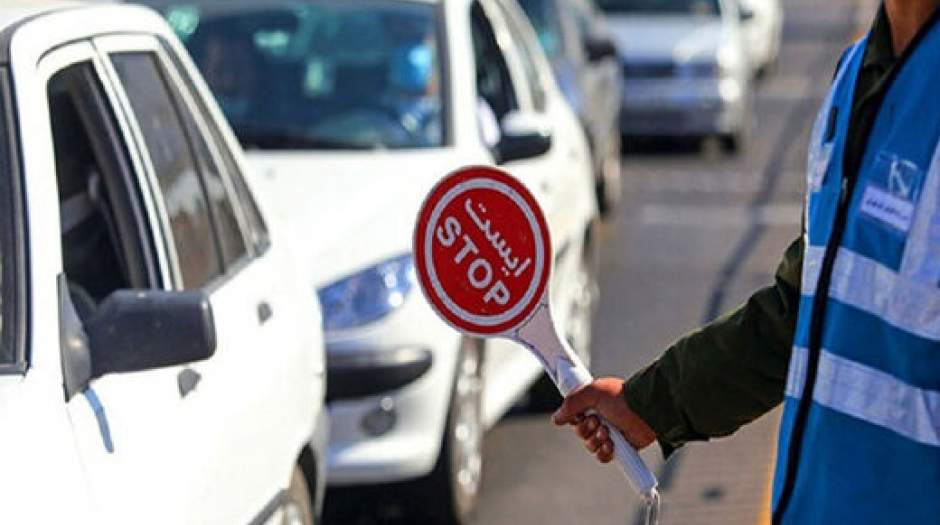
[(368, 295)]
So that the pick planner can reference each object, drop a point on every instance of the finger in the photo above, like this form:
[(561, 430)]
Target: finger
[(605, 454), (576, 403), (587, 427), (592, 444), (602, 434)]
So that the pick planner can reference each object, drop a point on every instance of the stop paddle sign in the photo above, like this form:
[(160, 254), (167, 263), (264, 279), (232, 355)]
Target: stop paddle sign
[(482, 251), (483, 258)]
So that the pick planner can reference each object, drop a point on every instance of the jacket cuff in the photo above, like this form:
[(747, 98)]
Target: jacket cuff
[(649, 395)]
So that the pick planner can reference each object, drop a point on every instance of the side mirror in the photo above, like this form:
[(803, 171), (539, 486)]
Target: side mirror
[(524, 136), (746, 13), (599, 49), (136, 330)]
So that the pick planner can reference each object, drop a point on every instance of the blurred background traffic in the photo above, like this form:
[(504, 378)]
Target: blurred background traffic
[(663, 138)]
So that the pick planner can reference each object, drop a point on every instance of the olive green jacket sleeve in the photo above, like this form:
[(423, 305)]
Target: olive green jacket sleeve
[(726, 374)]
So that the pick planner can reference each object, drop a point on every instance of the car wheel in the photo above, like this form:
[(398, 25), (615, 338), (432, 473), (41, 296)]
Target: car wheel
[(732, 143), (737, 141), (297, 508), (454, 484), (609, 178)]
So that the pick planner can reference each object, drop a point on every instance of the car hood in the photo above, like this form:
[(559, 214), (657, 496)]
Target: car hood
[(347, 211), (676, 38)]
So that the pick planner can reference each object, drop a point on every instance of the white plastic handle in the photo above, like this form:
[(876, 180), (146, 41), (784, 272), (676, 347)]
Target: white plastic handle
[(640, 476), (574, 375)]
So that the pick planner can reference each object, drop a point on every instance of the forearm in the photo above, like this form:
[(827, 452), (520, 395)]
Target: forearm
[(726, 374)]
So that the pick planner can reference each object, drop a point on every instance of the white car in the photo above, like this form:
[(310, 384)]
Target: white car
[(686, 68), (351, 110), (160, 359), (763, 32)]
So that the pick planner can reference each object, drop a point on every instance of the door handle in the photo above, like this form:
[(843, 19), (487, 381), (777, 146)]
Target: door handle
[(264, 312)]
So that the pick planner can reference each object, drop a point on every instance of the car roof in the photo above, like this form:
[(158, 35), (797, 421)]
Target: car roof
[(13, 12), (107, 15)]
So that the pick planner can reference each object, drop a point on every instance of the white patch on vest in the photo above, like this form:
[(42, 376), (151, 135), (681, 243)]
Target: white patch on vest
[(888, 208)]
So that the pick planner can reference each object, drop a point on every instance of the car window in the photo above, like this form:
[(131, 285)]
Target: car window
[(175, 166), (527, 56), (583, 17), (662, 7), (257, 230), (229, 232), (101, 242), (545, 18), (494, 83), (7, 237), (329, 74)]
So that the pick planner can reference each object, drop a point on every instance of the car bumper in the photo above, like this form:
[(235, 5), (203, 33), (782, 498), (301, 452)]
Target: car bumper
[(389, 403), (683, 108)]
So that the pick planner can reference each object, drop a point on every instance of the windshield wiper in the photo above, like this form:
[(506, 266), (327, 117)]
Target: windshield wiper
[(262, 137)]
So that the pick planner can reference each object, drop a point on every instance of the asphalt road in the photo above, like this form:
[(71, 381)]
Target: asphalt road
[(698, 230)]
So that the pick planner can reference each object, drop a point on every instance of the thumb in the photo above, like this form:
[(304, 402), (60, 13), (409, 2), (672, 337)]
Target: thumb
[(577, 403)]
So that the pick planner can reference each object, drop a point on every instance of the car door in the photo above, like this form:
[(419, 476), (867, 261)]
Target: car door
[(240, 396), (554, 175), (43, 478), (599, 78), (562, 176), (506, 86), (127, 427)]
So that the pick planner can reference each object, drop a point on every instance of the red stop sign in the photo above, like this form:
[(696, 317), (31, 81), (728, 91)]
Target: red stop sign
[(482, 251)]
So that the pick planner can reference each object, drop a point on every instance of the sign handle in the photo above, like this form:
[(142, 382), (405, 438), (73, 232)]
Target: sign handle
[(569, 373), (572, 376)]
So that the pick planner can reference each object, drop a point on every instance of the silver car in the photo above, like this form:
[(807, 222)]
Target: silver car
[(686, 71)]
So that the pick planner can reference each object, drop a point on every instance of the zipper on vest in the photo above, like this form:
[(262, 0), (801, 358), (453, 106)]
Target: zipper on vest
[(821, 298)]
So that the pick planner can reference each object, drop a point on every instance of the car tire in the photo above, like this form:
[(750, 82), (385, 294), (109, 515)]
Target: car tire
[(609, 176), (737, 141), (450, 493), (297, 509), (732, 143)]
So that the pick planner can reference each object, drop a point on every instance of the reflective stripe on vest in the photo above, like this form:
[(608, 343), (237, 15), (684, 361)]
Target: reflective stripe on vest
[(870, 395)]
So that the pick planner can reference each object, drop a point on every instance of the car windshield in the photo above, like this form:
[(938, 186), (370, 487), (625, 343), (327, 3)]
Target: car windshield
[(662, 7), (329, 74), (544, 17)]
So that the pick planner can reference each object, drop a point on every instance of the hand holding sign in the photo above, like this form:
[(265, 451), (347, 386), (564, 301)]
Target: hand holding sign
[(483, 258)]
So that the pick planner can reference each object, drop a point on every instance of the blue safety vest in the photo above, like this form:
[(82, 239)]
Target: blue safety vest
[(860, 435)]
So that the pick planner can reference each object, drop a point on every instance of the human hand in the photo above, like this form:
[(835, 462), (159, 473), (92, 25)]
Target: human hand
[(605, 397)]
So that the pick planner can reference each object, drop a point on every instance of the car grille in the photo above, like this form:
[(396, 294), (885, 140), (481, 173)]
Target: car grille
[(649, 69)]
